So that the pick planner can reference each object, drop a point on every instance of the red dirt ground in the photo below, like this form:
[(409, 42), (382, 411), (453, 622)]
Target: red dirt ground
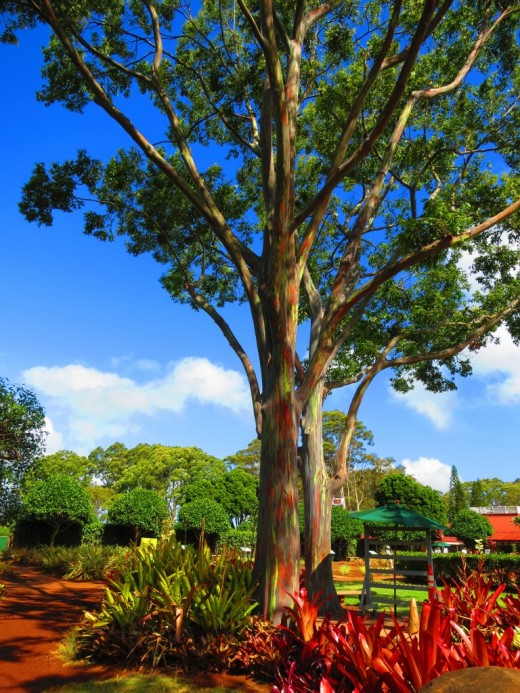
[(35, 615)]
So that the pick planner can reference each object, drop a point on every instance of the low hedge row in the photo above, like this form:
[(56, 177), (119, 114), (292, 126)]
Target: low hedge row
[(503, 567)]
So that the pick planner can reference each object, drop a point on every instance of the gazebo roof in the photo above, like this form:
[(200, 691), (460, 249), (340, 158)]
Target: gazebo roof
[(397, 515)]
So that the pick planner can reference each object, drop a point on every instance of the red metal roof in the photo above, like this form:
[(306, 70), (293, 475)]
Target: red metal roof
[(504, 528)]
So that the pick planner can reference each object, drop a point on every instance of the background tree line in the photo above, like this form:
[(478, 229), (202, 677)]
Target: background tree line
[(142, 488)]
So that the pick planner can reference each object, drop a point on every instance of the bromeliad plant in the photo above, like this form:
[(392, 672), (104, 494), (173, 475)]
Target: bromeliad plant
[(467, 626), (168, 603), (472, 600)]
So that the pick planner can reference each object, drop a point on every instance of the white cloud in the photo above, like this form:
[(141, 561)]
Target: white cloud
[(102, 404), (429, 471), (54, 440), (502, 363), (438, 407), (466, 263)]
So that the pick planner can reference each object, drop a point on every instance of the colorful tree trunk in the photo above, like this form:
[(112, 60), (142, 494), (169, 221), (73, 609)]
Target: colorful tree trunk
[(317, 499), (277, 560)]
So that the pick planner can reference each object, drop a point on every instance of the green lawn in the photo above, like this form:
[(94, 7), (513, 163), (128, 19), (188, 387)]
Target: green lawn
[(402, 594)]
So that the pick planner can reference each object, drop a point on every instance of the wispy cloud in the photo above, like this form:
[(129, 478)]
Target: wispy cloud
[(99, 404), (429, 471), (439, 408), (54, 440), (501, 363)]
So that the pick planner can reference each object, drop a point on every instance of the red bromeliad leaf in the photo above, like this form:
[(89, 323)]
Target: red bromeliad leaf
[(325, 687), (390, 675), (512, 609), (305, 613), (478, 641)]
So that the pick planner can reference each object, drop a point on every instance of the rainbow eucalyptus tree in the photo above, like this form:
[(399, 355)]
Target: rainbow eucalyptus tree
[(363, 150)]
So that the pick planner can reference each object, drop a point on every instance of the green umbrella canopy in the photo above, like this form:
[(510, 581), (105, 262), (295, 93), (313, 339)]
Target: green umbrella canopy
[(446, 544), (398, 515)]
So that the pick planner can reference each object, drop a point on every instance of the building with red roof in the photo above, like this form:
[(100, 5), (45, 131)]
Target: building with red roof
[(506, 534)]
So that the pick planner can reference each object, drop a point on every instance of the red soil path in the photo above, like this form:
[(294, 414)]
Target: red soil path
[(35, 615)]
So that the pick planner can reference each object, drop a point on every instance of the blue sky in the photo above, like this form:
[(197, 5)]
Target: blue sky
[(110, 356)]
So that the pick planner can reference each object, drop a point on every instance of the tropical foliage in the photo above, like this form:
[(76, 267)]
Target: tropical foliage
[(470, 527), (22, 440), (171, 606), (58, 502), (398, 488), (466, 626), (371, 156), (140, 510)]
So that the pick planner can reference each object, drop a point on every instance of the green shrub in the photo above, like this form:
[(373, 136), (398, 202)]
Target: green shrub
[(502, 568), (141, 511), (92, 531), (471, 527), (203, 517), (344, 533), (93, 562), (167, 604), (85, 562), (59, 502), (55, 559), (240, 537)]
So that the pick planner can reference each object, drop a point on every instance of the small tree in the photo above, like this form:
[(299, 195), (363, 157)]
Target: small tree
[(247, 459), (141, 510), (406, 490), (59, 502), (241, 537), (22, 440), (167, 470), (63, 462), (241, 495), (345, 530), (476, 498), (470, 527), (203, 516), (457, 498)]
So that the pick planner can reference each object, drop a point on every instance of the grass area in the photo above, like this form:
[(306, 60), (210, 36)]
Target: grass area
[(402, 594), (137, 683)]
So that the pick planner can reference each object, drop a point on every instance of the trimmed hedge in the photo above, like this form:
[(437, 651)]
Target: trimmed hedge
[(502, 567)]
